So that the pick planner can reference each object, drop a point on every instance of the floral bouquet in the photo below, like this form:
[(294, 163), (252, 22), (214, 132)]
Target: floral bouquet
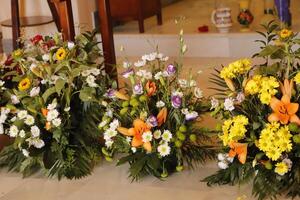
[(50, 92), (153, 119), (261, 131)]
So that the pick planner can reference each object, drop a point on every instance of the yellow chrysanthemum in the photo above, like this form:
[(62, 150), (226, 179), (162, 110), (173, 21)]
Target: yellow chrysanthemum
[(234, 129), (17, 53), (238, 67), (24, 84), (274, 140), (285, 33), (60, 54), (297, 78), (281, 168)]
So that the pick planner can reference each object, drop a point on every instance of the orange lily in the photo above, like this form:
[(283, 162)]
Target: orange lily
[(150, 88), (48, 126), (283, 110), (239, 149), (162, 116), (139, 127), (44, 112)]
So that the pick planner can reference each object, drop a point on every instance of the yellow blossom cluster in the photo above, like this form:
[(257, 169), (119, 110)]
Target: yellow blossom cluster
[(274, 140), (234, 129), (297, 78), (285, 33), (281, 168), (265, 87), (236, 68)]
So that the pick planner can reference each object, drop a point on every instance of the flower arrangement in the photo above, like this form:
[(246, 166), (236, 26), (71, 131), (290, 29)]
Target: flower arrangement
[(153, 119), (260, 133), (50, 92)]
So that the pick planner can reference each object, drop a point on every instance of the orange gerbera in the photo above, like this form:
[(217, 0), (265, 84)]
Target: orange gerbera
[(150, 88), (283, 110), (239, 149), (139, 127), (162, 116)]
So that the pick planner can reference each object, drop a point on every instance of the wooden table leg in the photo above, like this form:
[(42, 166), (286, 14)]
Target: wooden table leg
[(107, 38), (54, 13), (15, 17)]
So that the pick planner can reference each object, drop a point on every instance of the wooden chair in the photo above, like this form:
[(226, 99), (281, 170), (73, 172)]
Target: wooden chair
[(124, 10)]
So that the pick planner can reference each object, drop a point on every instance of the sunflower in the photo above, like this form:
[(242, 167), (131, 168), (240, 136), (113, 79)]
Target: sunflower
[(24, 84), (285, 33), (60, 54)]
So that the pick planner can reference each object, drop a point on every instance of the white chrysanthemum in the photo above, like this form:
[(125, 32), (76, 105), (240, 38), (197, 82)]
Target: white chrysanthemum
[(221, 156), (14, 99), (164, 150), (35, 131), (5, 111), (25, 152), (149, 57), (91, 81), (109, 133), (147, 136), (1, 129), (29, 120), (229, 104), (3, 117), (34, 91), (52, 105), (22, 133), (157, 134), (166, 136), (160, 104), (38, 143), (140, 63), (56, 122), (71, 45), (52, 114), (222, 165), (95, 71), (46, 57), (183, 83), (114, 124), (13, 131), (109, 143), (198, 93), (22, 114)]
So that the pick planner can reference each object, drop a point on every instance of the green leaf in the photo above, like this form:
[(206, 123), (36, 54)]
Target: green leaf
[(269, 50), (48, 93), (59, 85), (87, 94)]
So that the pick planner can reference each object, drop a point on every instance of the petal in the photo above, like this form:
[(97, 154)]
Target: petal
[(286, 99), (284, 118), (295, 119), (147, 146), (125, 131), (121, 96), (275, 103), (292, 108), (232, 153), (136, 142), (273, 117), (162, 116)]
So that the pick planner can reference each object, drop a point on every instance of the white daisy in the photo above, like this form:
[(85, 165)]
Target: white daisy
[(38, 143), (3, 117), (229, 104), (160, 104), (109, 133), (52, 105), (157, 134), (71, 45), (109, 143), (52, 114), (29, 120), (13, 131), (56, 122), (147, 136), (22, 133), (164, 150), (91, 81), (25, 152), (14, 99), (166, 136), (34, 91), (35, 131), (114, 124), (46, 57), (222, 165), (22, 114), (140, 63)]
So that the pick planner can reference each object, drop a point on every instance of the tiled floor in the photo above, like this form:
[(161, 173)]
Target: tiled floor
[(111, 183)]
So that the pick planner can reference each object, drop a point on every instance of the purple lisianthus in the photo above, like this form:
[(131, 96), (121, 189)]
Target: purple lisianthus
[(110, 93), (152, 120), (176, 100), (191, 116), (127, 73), (171, 69), (138, 89)]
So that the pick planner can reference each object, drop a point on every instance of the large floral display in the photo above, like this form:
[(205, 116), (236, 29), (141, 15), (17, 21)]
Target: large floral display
[(153, 119), (260, 133), (50, 103)]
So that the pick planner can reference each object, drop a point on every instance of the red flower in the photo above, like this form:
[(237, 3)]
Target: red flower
[(36, 39)]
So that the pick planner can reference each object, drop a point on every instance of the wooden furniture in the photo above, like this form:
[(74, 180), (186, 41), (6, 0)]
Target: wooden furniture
[(123, 10)]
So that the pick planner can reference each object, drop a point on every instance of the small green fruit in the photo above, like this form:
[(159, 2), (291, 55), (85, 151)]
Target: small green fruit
[(178, 143), (105, 152), (109, 159), (125, 104), (268, 165), (193, 137), (164, 174), (180, 135), (293, 127), (134, 102), (296, 139), (123, 111), (183, 128), (133, 112), (143, 98), (179, 168)]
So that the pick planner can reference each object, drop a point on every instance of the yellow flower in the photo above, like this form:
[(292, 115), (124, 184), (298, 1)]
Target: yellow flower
[(281, 168), (24, 84), (61, 54), (238, 67), (285, 33), (17, 53), (297, 78)]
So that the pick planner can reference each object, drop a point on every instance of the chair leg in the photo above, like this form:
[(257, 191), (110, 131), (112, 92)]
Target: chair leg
[(54, 13), (159, 18), (15, 18), (141, 25)]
